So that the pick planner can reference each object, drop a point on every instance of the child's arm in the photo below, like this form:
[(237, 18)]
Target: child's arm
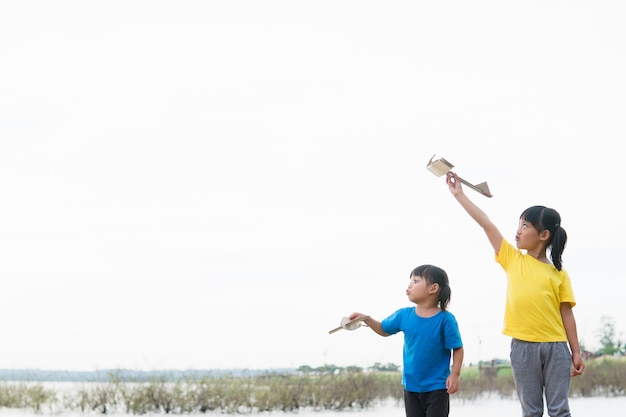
[(452, 383), (569, 322), (373, 324), (479, 216)]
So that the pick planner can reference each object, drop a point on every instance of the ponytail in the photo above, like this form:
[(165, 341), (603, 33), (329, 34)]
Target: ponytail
[(557, 241), (445, 293)]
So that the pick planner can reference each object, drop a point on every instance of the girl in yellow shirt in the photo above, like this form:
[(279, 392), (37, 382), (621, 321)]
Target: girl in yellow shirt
[(539, 300)]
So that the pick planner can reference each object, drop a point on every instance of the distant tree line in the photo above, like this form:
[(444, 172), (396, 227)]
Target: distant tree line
[(329, 369), (130, 375)]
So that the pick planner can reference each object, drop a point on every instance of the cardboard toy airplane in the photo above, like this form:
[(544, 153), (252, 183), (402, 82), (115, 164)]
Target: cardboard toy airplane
[(348, 324), (441, 167)]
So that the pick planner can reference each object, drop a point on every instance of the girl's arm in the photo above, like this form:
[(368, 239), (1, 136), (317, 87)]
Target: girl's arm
[(452, 383), (373, 324), (569, 322), (479, 216)]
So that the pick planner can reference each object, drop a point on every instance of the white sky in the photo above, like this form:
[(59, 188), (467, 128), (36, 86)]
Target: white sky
[(216, 184)]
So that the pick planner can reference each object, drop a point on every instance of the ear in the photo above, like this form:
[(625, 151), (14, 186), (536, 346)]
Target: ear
[(434, 288), (545, 235)]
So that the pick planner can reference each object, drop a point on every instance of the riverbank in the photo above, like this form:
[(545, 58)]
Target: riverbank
[(339, 390)]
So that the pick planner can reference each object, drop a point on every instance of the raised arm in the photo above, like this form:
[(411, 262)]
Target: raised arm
[(479, 216)]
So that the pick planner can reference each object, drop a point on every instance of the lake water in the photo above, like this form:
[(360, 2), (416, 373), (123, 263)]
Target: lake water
[(488, 407), (580, 407)]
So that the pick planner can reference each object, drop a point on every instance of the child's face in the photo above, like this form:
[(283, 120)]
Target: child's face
[(527, 237), (418, 289)]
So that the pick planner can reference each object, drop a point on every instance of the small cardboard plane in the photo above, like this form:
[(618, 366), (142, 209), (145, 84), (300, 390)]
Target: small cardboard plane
[(348, 324), (441, 167)]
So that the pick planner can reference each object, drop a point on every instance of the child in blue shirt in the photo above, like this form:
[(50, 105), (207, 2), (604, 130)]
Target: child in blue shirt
[(431, 340)]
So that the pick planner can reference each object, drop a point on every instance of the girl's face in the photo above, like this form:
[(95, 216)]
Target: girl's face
[(527, 237), (418, 290)]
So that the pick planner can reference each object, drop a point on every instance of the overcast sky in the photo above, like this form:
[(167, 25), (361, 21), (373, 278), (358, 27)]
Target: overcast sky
[(216, 184)]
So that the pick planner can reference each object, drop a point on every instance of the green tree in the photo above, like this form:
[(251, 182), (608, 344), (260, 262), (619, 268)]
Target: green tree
[(305, 369), (609, 341), (389, 367), (328, 369)]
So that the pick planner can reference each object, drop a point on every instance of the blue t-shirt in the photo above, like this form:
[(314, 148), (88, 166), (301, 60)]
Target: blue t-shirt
[(428, 344)]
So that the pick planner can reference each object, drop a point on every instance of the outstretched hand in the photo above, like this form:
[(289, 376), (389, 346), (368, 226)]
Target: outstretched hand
[(454, 184), (356, 315)]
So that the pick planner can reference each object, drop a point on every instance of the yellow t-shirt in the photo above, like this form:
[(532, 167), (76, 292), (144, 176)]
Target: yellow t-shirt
[(535, 291)]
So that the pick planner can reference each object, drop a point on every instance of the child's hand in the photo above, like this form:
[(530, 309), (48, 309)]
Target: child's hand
[(356, 315), (579, 365), (452, 383), (454, 184)]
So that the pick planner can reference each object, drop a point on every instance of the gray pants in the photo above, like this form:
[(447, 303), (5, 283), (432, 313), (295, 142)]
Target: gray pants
[(538, 369)]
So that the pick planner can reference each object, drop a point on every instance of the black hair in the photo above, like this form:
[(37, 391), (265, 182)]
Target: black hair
[(435, 275), (544, 218)]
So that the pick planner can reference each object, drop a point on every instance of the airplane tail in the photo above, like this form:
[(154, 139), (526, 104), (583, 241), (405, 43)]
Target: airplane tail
[(482, 188)]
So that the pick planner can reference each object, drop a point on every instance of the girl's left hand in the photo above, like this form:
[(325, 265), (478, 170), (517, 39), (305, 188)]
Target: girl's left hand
[(579, 365)]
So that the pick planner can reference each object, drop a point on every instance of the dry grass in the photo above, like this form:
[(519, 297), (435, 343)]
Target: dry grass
[(287, 392)]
